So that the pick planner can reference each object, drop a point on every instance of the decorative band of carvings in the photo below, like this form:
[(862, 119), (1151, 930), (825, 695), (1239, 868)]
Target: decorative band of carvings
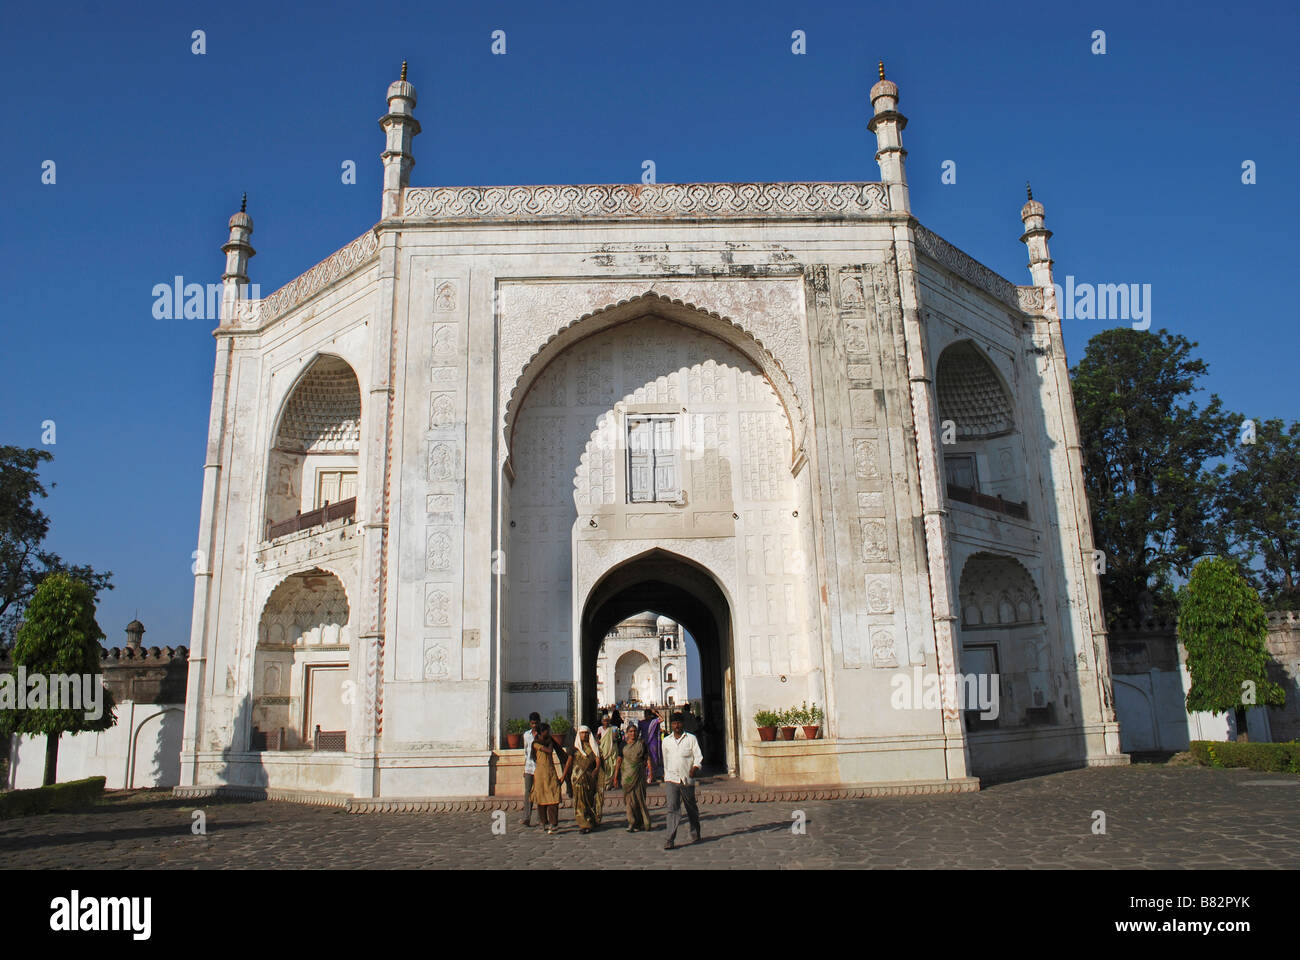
[(250, 313), (1031, 299), (655, 200), (966, 267)]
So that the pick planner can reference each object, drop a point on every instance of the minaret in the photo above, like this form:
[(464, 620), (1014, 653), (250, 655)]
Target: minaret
[(1035, 238), (887, 124), (234, 281), (401, 127)]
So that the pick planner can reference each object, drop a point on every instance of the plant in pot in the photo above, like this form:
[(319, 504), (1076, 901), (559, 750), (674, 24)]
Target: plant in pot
[(559, 728), (767, 721), (810, 718), (516, 727), (789, 723)]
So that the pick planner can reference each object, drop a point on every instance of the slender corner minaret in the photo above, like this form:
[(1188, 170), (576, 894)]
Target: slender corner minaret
[(401, 127), (887, 124), (234, 282), (1035, 238)]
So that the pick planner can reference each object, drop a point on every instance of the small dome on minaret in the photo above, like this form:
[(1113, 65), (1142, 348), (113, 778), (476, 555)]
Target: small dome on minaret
[(134, 634), (884, 88), (242, 219), (400, 88), (1032, 208)]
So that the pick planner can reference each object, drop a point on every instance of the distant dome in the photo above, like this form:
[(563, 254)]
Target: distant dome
[(665, 625)]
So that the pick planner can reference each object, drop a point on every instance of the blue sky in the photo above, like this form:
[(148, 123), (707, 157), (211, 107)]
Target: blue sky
[(1136, 155)]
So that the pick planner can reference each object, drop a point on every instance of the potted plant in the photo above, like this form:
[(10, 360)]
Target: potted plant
[(559, 728), (811, 720), (789, 723), (516, 727), (767, 721)]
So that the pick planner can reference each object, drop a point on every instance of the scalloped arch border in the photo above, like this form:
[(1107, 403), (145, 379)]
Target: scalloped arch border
[(758, 354), (329, 570)]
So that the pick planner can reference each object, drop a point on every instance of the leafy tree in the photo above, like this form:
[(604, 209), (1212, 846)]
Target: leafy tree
[(1259, 503), (59, 636), (23, 563), (1145, 449), (1223, 626)]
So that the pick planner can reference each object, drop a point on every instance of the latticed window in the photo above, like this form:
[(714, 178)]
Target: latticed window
[(652, 459)]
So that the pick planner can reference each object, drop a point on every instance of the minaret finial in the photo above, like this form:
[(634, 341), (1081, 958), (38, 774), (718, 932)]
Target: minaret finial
[(880, 65), (403, 71), (243, 204), (1029, 190)]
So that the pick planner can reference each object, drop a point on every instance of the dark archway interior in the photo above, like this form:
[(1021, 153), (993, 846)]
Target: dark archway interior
[(670, 587)]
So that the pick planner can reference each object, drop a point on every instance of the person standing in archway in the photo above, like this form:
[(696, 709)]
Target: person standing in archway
[(653, 735), (546, 781), (682, 759), (631, 768), (608, 758), (582, 770)]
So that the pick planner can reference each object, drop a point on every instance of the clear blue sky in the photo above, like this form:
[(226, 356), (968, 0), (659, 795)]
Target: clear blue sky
[(1136, 154)]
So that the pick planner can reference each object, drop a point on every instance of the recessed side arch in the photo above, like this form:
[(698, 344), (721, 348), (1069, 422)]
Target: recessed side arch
[(724, 328), (315, 443), (972, 393)]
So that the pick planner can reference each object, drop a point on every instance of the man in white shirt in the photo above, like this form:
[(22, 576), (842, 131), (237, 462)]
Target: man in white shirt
[(682, 759), (530, 767)]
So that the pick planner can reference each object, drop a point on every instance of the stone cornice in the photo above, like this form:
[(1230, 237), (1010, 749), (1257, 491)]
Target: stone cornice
[(339, 264), (966, 267), (655, 201)]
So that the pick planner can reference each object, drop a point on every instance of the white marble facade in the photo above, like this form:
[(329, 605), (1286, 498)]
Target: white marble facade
[(643, 660), (743, 406)]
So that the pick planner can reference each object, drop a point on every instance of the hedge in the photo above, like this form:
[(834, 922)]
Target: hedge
[(1264, 757), (60, 796)]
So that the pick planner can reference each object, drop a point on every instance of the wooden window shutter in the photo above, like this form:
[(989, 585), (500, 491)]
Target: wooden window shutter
[(640, 459)]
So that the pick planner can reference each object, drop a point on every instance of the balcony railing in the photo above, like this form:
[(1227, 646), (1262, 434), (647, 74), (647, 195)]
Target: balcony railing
[(312, 518), (976, 499)]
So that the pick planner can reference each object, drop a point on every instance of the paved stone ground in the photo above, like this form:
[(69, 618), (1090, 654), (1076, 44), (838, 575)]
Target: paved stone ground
[(1156, 817)]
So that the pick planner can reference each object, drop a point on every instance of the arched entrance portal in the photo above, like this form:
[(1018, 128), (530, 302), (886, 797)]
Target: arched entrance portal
[(674, 587)]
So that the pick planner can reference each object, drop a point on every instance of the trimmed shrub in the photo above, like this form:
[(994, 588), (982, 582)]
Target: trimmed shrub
[(1263, 757), (60, 796)]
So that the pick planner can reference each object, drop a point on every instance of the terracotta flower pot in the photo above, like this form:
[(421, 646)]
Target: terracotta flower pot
[(515, 741), (767, 733), (787, 733), (558, 737), (810, 733)]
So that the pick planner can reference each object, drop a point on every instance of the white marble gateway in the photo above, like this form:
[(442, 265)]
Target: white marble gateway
[(445, 462)]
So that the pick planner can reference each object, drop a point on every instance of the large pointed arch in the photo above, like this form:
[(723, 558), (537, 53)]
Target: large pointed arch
[(672, 585), (651, 304)]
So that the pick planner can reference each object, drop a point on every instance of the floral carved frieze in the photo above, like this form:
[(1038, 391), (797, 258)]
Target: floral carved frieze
[(654, 200), (1031, 299), (966, 267), (334, 267)]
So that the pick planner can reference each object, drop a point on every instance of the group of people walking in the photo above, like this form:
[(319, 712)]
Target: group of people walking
[(605, 760)]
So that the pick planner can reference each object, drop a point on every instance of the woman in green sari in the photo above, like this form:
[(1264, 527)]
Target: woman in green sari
[(632, 767), (584, 767)]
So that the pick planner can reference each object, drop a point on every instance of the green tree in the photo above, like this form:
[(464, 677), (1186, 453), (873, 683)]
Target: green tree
[(1223, 626), (1145, 449), (59, 637), (1259, 503), (23, 563)]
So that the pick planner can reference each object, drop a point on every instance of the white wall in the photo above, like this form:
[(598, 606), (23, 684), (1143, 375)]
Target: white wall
[(1152, 712), (153, 760)]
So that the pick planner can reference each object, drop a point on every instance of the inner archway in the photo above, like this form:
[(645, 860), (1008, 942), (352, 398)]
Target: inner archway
[(673, 587)]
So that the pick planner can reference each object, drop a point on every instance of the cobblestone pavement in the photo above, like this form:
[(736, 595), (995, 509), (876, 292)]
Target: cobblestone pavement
[(1155, 817)]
